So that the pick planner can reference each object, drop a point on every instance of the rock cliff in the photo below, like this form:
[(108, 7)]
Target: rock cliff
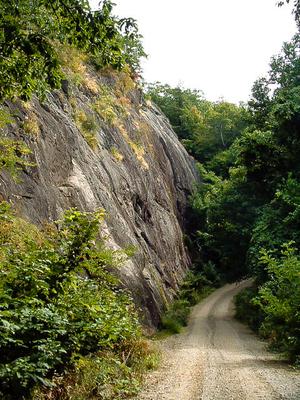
[(98, 143)]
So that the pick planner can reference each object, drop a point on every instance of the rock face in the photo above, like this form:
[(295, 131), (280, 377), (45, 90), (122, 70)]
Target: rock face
[(134, 167)]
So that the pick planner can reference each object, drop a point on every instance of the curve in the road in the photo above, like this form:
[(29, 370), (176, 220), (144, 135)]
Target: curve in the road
[(217, 358)]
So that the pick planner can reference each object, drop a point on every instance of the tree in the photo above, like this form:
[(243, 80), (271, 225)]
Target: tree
[(204, 127), (296, 9), (31, 30), (279, 299), (174, 102), (226, 211), (214, 126)]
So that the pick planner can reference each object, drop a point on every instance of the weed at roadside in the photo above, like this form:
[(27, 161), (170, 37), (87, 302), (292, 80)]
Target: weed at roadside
[(194, 289)]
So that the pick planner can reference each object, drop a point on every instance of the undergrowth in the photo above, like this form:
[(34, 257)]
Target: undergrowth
[(106, 375), (67, 330), (272, 308), (246, 311), (196, 286)]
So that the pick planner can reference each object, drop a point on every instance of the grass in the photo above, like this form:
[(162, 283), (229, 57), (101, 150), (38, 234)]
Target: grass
[(27, 105), (139, 152), (106, 110), (136, 147), (12, 233), (5, 118), (31, 125), (74, 63), (116, 154), (91, 84), (194, 289), (124, 83), (87, 125), (142, 129), (108, 106), (124, 102)]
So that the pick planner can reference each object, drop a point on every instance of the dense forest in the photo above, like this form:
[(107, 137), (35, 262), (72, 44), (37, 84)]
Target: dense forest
[(61, 307), (246, 213)]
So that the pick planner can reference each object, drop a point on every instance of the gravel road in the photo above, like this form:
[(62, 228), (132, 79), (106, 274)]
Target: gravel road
[(217, 358)]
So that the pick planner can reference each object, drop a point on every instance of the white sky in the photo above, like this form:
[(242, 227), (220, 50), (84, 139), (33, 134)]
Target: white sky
[(218, 46)]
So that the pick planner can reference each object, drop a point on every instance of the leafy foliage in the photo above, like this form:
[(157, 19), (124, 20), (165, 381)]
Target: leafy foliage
[(58, 300), (205, 128), (224, 209), (248, 201), (14, 154), (107, 375), (173, 102), (279, 299), (278, 223), (296, 9), (32, 30), (260, 186), (195, 287)]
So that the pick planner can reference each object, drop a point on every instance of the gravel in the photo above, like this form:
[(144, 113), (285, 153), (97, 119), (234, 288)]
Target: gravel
[(217, 358)]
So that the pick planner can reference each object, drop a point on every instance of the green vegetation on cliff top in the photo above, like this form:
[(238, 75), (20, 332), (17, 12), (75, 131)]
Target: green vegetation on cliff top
[(32, 33)]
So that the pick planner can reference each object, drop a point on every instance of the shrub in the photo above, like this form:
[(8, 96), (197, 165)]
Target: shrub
[(246, 310), (14, 156), (198, 285), (13, 153), (5, 118), (58, 300), (176, 317), (194, 288), (32, 34), (170, 325), (279, 300), (106, 375), (273, 308)]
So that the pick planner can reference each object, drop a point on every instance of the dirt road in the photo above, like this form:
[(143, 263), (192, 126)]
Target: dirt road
[(217, 358)]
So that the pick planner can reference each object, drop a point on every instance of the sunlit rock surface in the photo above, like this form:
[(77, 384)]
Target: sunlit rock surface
[(136, 170)]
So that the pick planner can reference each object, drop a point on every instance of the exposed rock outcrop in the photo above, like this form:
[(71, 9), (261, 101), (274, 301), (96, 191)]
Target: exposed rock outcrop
[(134, 167)]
